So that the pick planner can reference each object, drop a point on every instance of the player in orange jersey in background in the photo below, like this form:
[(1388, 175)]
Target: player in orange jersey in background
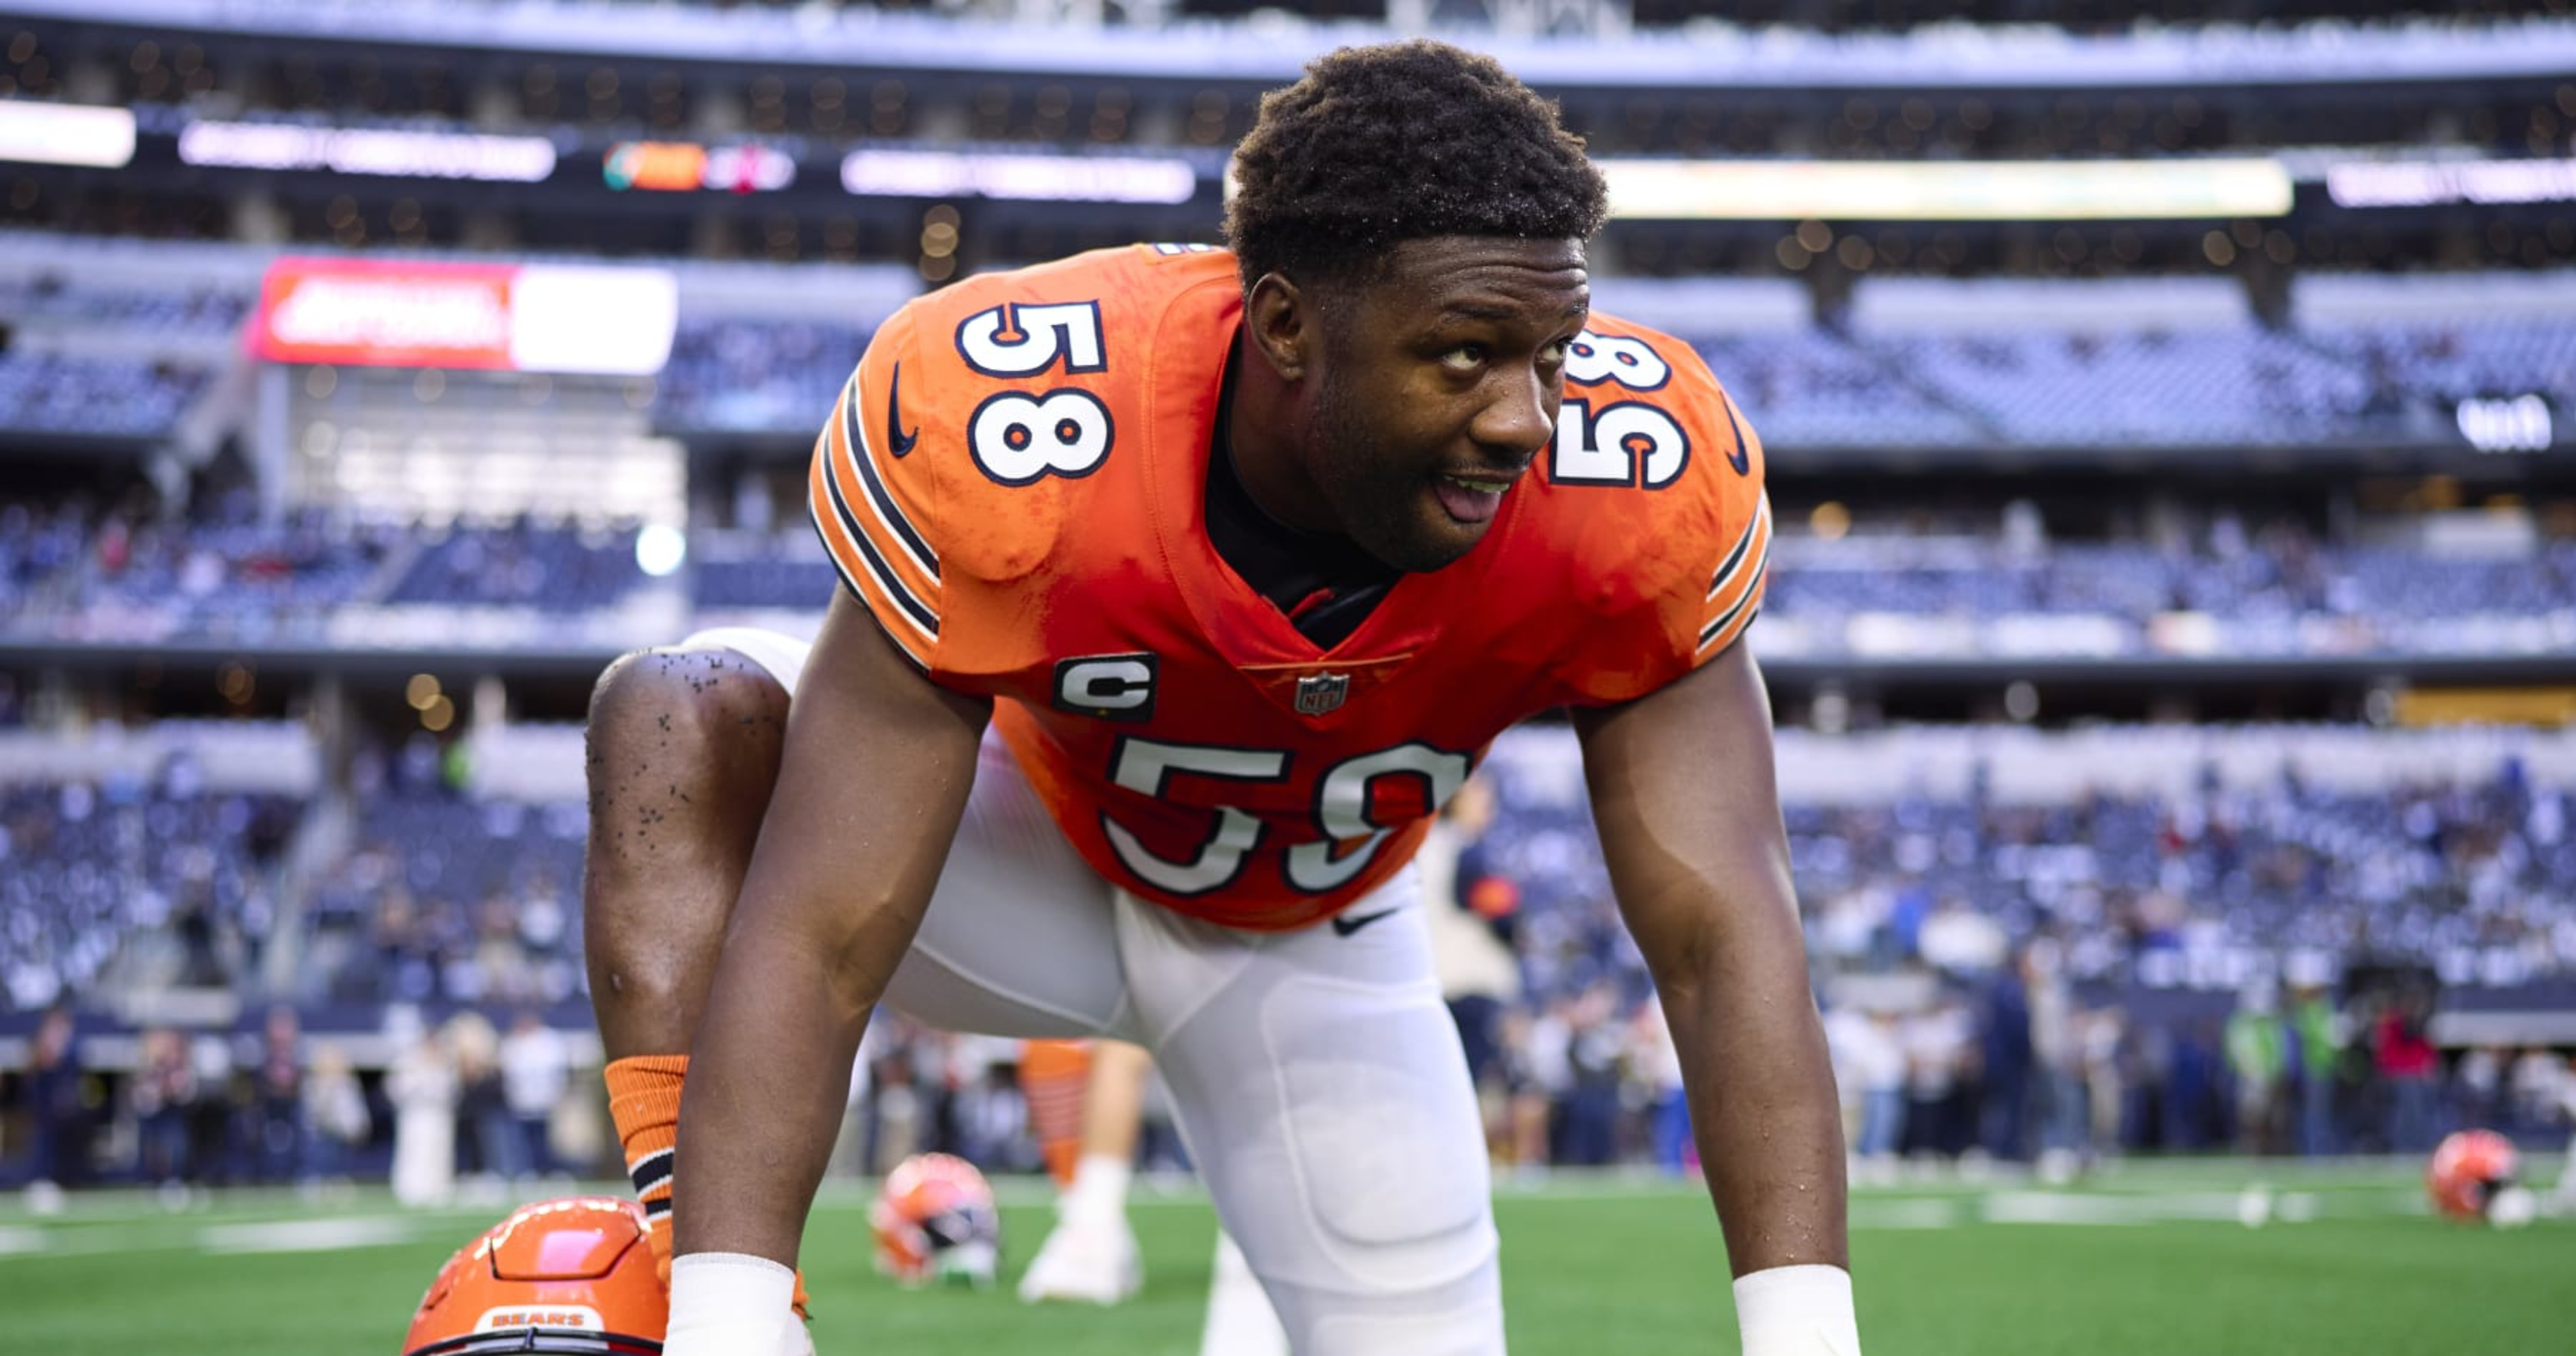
[(1087, 1108), (1054, 1080), (1243, 558)]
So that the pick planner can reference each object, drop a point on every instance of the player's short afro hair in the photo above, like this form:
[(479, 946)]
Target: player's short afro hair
[(1404, 141)]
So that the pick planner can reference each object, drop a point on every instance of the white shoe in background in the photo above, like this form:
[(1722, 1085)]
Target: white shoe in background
[(1092, 1261)]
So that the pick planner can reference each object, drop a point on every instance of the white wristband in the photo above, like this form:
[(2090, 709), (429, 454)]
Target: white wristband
[(730, 1304), (1797, 1311)]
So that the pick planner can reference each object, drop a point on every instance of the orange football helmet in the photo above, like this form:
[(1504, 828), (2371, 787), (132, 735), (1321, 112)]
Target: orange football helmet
[(570, 1275), (935, 1221), (2467, 1171)]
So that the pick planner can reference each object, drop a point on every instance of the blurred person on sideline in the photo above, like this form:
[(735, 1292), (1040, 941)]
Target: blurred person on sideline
[(277, 1100), (1877, 1062), (536, 1071), (1656, 1067), (1588, 1116), (162, 1095), (2256, 1059), (336, 1118), (2103, 1039), (1844, 1034), (483, 1121), (2408, 1066), (1525, 1091), (1467, 908), (2536, 1097), (2316, 1045), (2563, 1198), (2477, 1088), (2006, 1052), (421, 1085), (2057, 1052), (1940, 1117), (58, 1107)]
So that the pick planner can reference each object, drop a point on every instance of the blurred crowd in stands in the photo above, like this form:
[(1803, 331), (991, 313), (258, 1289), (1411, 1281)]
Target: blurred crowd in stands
[(2111, 386), (2217, 381), (135, 883), (73, 571), (2246, 967)]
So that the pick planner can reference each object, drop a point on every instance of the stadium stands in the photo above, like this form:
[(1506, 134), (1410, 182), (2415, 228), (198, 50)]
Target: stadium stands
[(68, 575), (1910, 364), (2155, 856), (138, 883), (2278, 592), (756, 376), (551, 568), (94, 397), (451, 899)]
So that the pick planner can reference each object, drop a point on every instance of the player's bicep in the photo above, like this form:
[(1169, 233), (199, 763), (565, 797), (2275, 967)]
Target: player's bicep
[(877, 765), (1688, 807)]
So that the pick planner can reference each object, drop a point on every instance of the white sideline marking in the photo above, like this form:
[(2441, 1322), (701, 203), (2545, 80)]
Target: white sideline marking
[(1934, 1214), (316, 1235), (14, 1241), (2041, 1207)]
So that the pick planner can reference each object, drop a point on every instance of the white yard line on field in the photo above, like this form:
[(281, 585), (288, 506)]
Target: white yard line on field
[(1932, 1214), (311, 1235)]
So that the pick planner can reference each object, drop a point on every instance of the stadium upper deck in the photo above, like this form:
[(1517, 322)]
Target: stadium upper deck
[(825, 133)]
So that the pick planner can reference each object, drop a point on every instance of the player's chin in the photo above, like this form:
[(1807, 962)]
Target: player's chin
[(1440, 539)]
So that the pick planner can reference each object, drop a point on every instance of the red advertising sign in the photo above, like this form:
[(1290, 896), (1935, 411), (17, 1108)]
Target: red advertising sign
[(385, 314), (415, 313)]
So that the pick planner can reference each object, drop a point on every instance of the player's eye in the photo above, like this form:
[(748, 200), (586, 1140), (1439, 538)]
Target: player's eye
[(1554, 355), (1464, 358)]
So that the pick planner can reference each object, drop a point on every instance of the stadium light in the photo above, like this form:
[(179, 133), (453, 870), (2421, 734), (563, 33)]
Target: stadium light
[(66, 134), (2521, 424), (2027, 190), (355, 150), (1036, 178), (660, 548), (2371, 183)]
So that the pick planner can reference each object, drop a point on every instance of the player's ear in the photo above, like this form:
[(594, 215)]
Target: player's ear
[(1281, 317)]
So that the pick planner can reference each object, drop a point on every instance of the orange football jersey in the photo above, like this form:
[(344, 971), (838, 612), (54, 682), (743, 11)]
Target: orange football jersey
[(1015, 484)]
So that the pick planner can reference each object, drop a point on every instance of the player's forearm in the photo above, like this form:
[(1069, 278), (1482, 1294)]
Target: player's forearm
[(768, 1077), (1763, 1110)]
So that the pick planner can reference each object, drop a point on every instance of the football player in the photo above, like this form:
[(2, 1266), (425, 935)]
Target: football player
[(1091, 1256), (1181, 587), (1087, 1107)]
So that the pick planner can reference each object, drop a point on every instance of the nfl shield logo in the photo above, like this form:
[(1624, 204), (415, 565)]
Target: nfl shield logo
[(1322, 693)]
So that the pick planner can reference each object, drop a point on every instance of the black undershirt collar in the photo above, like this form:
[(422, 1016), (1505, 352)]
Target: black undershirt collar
[(1325, 584)]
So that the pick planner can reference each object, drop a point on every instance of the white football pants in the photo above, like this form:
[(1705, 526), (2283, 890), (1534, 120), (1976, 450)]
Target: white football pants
[(1316, 1076)]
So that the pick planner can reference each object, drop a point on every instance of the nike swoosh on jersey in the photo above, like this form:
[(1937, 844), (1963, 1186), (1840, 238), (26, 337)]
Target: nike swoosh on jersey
[(1344, 927), (897, 441), (1736, 456)]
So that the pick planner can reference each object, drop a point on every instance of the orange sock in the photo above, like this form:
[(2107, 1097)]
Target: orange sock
[(644, 1101), (1053, 1075)]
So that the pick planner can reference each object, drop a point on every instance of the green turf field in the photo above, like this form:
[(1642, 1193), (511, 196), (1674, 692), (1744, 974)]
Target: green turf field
[(2150, 1259)]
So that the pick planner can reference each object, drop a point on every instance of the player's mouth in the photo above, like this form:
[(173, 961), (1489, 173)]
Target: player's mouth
[(1471, 498)]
